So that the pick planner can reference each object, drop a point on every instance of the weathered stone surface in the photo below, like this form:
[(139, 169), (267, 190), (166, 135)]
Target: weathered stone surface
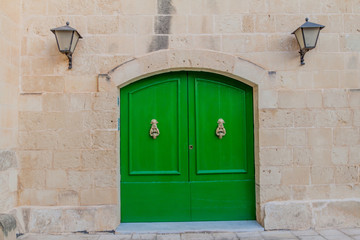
[(287, 215), (328, 214), (7, 160)]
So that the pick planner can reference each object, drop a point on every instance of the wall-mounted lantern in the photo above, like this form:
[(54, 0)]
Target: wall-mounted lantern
[(66, 38), (307, 36)]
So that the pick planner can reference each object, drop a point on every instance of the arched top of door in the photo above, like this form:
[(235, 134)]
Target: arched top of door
[(177, 60)]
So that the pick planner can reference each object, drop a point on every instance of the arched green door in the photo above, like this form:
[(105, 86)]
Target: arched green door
[(194, 167)]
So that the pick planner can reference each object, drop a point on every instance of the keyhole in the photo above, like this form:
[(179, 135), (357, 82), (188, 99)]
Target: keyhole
[(191, 147)]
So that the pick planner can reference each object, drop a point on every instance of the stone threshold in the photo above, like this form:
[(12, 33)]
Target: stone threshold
[(182, 227)]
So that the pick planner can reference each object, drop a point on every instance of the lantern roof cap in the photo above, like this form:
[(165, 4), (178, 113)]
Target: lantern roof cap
[(65, 28), (308, 24)]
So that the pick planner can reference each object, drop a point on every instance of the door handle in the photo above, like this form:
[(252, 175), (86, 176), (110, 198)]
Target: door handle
[(154, 130), (220, 130)]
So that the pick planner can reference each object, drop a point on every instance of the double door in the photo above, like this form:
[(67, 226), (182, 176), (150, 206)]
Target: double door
[(187, 149)]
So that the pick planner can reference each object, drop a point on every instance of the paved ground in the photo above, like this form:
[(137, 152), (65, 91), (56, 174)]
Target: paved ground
[(339, 234)]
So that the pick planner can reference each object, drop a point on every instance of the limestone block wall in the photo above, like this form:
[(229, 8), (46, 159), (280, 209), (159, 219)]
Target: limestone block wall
[(308, 117), (9, 90)]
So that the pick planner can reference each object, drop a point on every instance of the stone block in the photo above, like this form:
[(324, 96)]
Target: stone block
[(201, 24), (38, 197), (101, 120), (67, 159), (295, 175), (35, 159), (357, 118), (295, 137), (326, 79), (31, 103), (302, 156), (321, 156), (270, 175), (276, 118), (264, 23), (314, 99), (45, 220), (340, 155), (78, 219), (105, 101), (319, 136), (275, 156), (243, 43), (106, 178), (228, 24), (105, 84), (119, 44), (268, 99), (283, 215), (336, 214), (101, 196), (80, 179), (139, 7), (292, 99), (346, 174), (272, 137), (209, 42), (80, 102), (103, 24), (354, 98), (99, 159), (74, 140), (336, 98), (350, 79), (31, 84), (322, 175), (107, 217), (84, 83), (354, 155), (105, 139), (68, 198), (108, 7), (333, 118), (55, 102), (346, 136), (32, 178), (56, 179), (7, 160)]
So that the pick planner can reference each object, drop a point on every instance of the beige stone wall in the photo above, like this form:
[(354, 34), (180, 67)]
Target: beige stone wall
[(9, 90), (308, 116)]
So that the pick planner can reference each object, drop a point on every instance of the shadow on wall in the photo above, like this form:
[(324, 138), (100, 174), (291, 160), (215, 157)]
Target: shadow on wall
[(162, 26)]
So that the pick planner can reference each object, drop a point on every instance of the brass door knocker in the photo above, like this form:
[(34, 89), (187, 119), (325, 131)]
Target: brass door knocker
[(154, 131), (220, 130)]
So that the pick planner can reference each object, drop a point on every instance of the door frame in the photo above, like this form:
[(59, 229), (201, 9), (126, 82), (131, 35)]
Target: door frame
[(159, 62)]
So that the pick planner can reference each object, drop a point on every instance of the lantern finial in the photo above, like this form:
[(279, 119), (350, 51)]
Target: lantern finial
[(307, 19)]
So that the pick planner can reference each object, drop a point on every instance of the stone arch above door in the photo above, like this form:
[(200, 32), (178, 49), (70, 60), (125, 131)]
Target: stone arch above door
[(173, 60)]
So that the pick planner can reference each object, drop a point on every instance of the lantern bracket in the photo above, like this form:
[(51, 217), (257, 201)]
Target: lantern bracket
[(302, 55), (69, 56)]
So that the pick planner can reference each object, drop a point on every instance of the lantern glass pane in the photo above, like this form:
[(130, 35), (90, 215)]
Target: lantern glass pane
[(299, 37), (311, 35), (64, 40), (74, 42)]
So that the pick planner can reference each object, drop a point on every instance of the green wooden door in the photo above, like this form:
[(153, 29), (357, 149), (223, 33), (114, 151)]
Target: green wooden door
[(187, 173)]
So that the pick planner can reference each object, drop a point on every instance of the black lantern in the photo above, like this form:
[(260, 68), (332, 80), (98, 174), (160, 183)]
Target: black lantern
[(66, 38), (307, 36)]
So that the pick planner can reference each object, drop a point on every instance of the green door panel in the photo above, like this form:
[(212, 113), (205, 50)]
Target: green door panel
[(155, 202), (213, 101), (164, 158), (187, 173), (217, 200)]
